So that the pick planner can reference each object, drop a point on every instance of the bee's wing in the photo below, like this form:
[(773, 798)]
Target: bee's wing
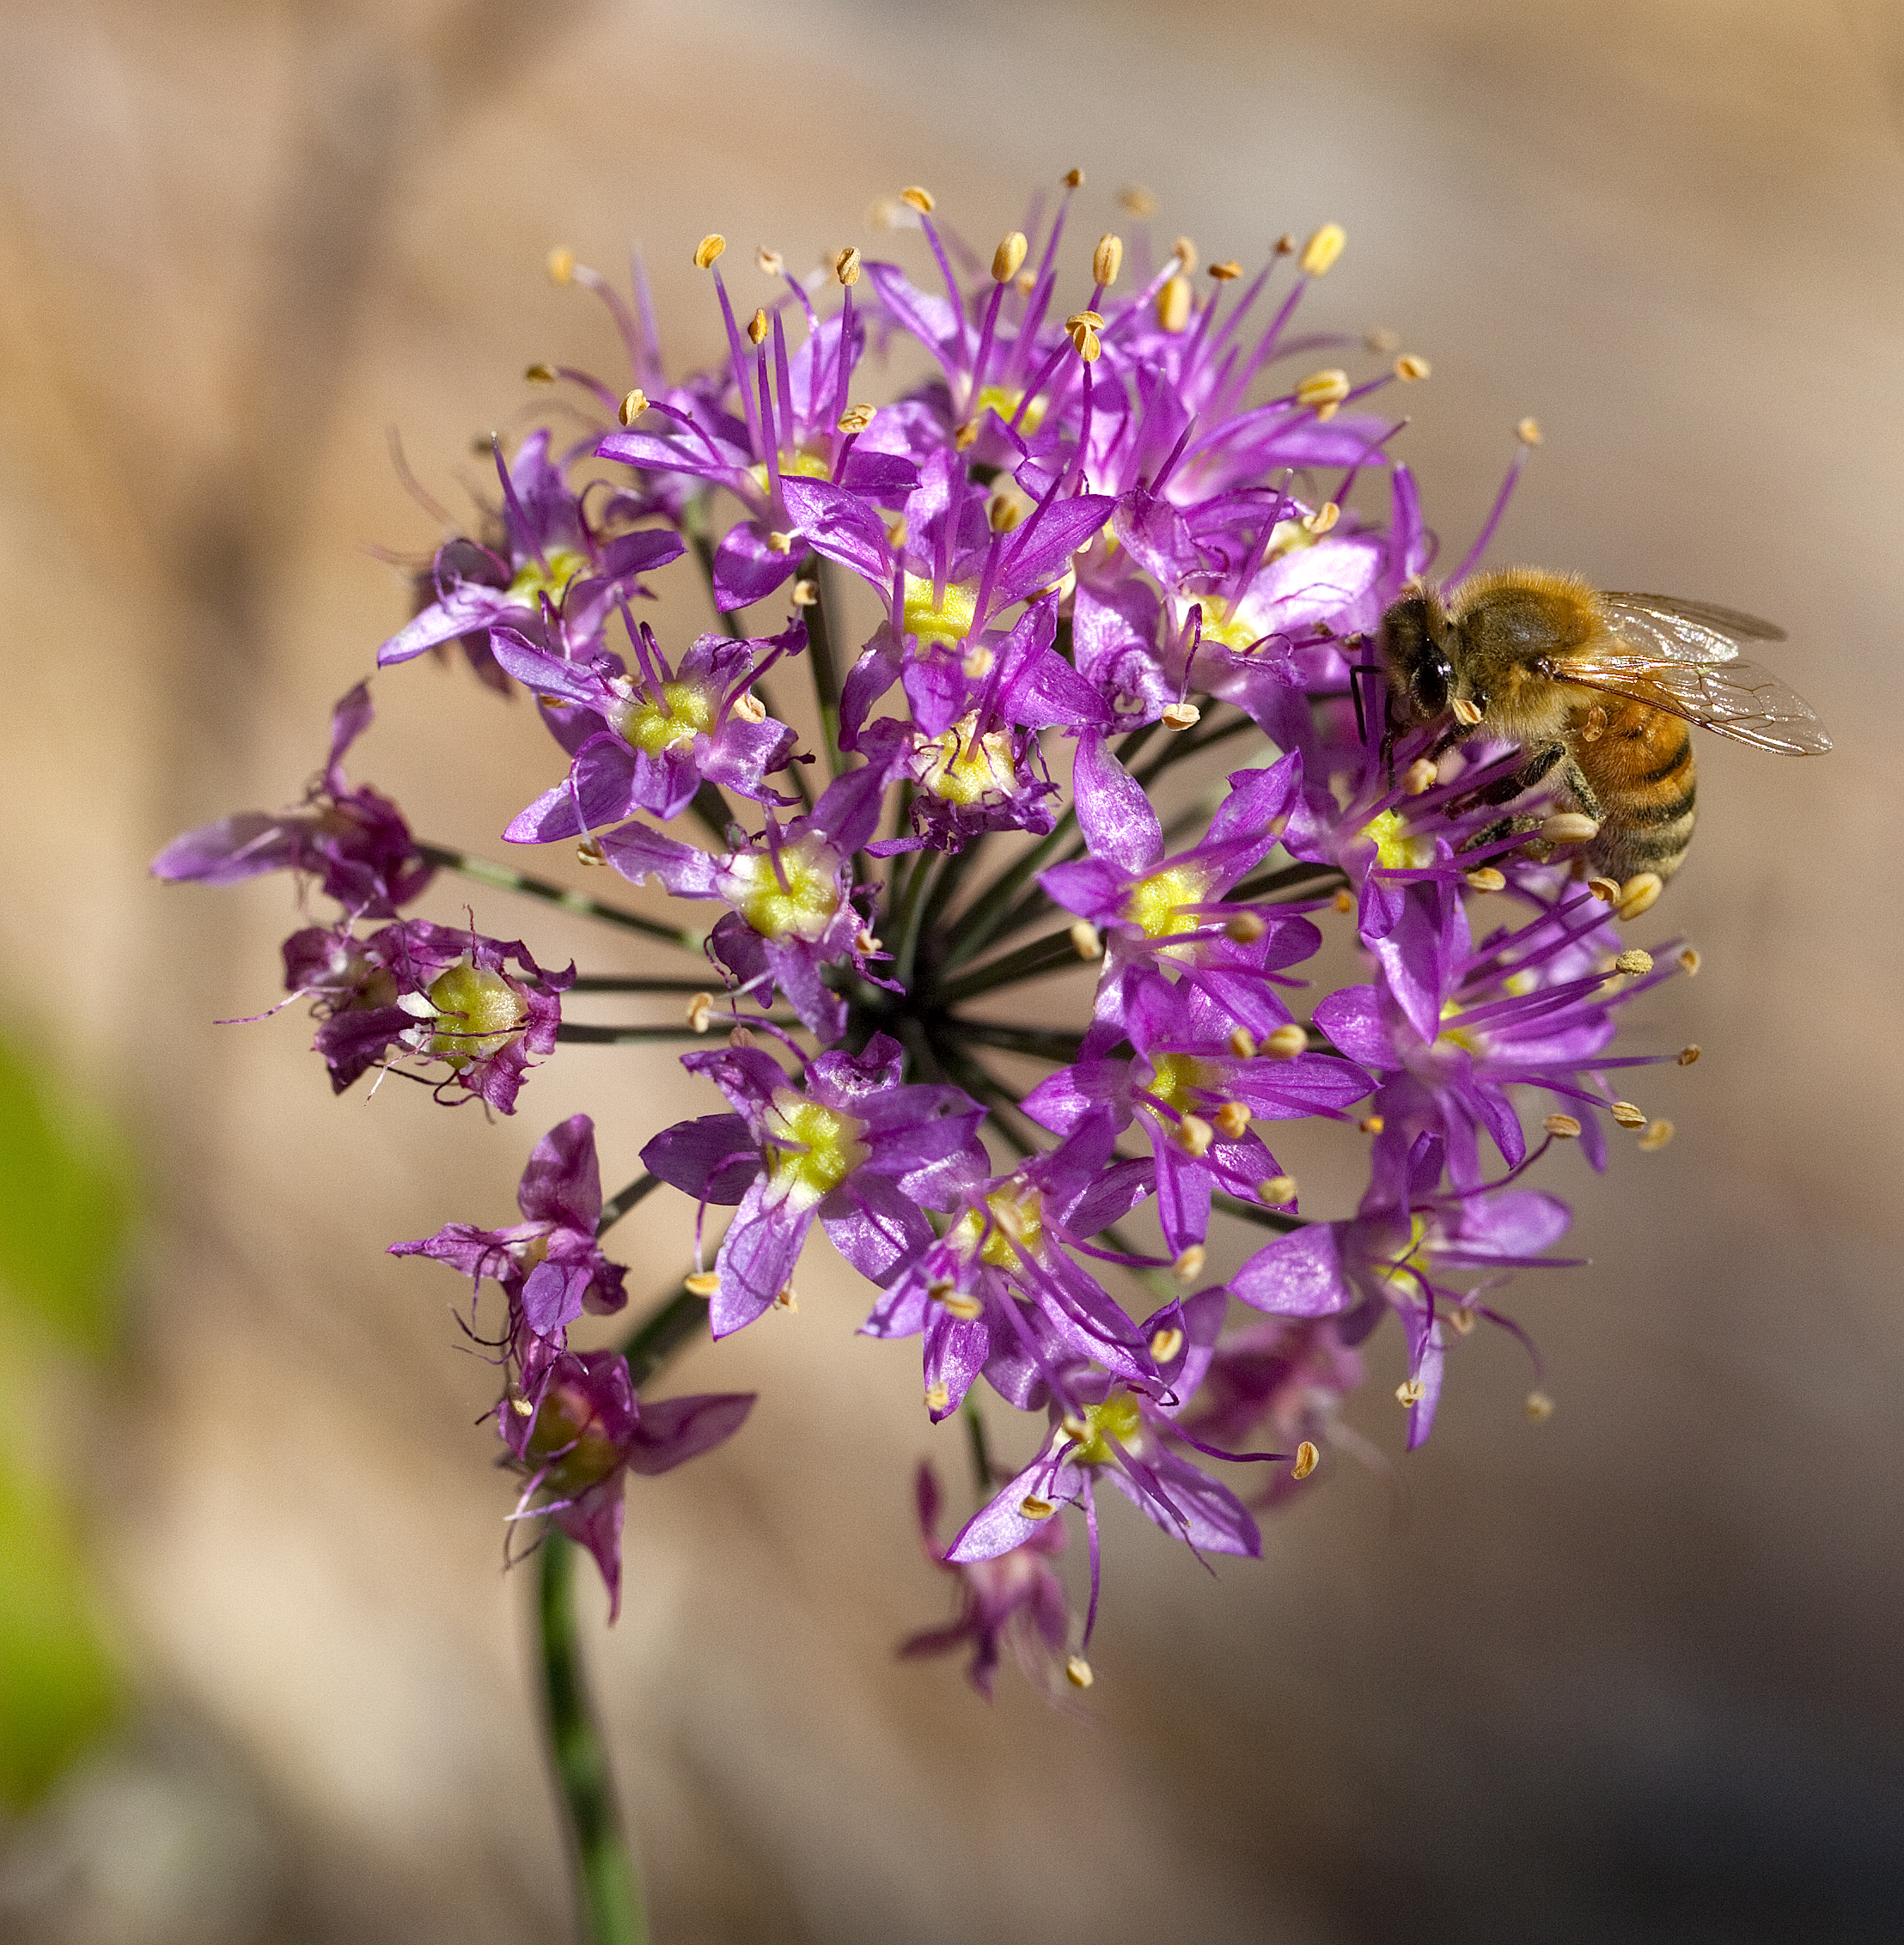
[(1736, 698), (1681, 631)]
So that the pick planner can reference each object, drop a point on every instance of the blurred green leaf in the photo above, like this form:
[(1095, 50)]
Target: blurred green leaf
[(58, 1688), (64, 1207)]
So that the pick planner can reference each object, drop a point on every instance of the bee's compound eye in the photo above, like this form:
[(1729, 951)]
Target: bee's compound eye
[(1430, 679)]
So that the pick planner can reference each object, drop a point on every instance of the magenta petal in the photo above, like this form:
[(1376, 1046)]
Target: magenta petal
[(674, 1430), (1297, 1276)]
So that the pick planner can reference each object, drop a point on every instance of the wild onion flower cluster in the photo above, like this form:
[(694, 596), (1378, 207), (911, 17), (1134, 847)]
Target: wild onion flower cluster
[(1104, 549)]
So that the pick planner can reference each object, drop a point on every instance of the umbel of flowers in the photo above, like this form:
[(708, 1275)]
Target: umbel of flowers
[(1110, 540)]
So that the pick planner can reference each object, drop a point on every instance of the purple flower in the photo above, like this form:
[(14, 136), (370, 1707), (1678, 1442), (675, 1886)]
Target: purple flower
[(662, 734), (1128, 1436), (557, 580), (430, 993), (853, 1146), (548, 1264), (1015, 1598), (579, 1429), (354, 843)]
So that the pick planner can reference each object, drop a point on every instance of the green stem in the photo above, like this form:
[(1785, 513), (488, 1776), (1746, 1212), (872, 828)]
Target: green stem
[(609, 1888), (506, 878), (616, 983), (1038, 1043), (711, 811), (1051, 954), (618, 1205), (573, 1032), (820, 654), (1283, 879), (1255, 1212), (662, 1332), (981, 1455), (980, 920)]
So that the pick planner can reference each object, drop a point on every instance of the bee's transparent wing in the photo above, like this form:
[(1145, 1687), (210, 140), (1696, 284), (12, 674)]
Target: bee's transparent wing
[(1736, 698), (1682, 631)]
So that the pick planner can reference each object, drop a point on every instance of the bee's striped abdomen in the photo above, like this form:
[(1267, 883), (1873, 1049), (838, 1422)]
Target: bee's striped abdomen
[(1642, 769)]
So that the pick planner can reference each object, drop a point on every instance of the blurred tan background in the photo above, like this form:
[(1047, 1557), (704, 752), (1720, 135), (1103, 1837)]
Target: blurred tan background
[(1634, 1674)]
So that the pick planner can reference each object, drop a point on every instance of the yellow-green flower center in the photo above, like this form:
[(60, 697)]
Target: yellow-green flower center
[(684, 708), (948, 620), (1118, 1417), (1177, 1078), (803, 463), (532, 580), (1395, 846), (962, 768), (478, 1013), (797, 903), (1005, 401), (811, 1149), (1469, 1039), (567, 1423), (1153, 903), (1017, 1222)]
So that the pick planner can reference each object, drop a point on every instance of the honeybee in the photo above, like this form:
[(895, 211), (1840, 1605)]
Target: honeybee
[(1596, 687)]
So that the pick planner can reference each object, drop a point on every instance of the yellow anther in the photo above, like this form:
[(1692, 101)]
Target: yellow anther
[(1656, 1134), (1002, 513), (1137, 200), (707, 249), (1381, 340), (1633, 962), (1569, 827), (914, 197), (1034, 1508), (857, 419), (1174, 305), (1465, 711), (1324, 518), (1539, 1407), (805, 593), (1307, 1460), (1246, 927), (1278, 1191), (845, 266), (1179, 716), (1074, 179), (522, 1407), (1529, 432), (1372, 1124), (1185, 253), (1077, 1671), (1486, 879), (1411, 1391), (963, 1305), (1344, 901), (1286, 245), (757, 327), (866, 941), (1086, 343), (750, 707), (1084, 939), (1409, 367), (1320, 252), (1322, 391), (1187, 1268), (740, 1037), (1628, 1115), (1232, 1120), (896, 533), (780, 542), (1167, 1341), (1418, 778), (1606, 890), (702, 1283), (1462, 1317), (965, 435), (589, 851), (1006, 259), (771, 261), (1107, 259), (540, 375), (633, 405), (1226, 273), (1287, 1041), (1024, 283), (1690, 962), (700, 1012), (938, 1395), (784, 1298), (1243, 1043), (561, 265), (1640, 893), (1562, 1127), (1194, 1135), (979, 662), (1686, 1056)]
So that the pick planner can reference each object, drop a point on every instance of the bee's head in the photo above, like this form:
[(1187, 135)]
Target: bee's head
[(1414, 652)]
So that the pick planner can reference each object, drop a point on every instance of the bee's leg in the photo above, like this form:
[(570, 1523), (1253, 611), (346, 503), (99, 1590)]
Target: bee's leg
[(1501, 827), (1574, 783), (1531, 774)]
